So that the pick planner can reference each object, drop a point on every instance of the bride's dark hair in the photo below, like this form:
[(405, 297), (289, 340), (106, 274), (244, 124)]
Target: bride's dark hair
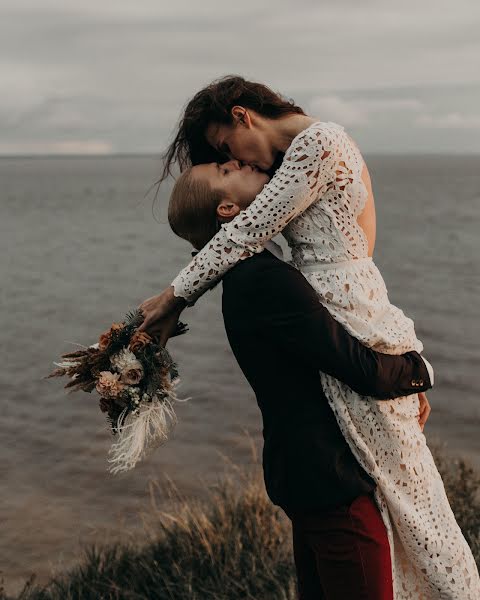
[(213, 104)]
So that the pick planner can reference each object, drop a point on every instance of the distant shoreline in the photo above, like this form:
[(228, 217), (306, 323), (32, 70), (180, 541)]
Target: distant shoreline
[(155, 155)]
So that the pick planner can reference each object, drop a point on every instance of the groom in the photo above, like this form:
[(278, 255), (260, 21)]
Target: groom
[(282, 336)]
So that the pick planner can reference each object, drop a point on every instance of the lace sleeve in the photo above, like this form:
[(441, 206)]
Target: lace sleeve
[(307, 171)]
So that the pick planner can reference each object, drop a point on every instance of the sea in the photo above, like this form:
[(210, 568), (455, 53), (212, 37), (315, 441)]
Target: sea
[(84, 240)]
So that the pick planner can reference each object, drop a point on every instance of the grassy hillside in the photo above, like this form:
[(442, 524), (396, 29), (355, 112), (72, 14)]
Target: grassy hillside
[(234, 545)]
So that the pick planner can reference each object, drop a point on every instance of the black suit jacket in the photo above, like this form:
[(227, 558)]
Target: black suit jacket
[(282, 336)]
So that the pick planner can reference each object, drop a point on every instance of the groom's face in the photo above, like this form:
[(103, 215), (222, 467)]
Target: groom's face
[(237, 183)]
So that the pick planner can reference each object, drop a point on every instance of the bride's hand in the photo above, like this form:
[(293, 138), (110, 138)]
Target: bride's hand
[(425, 409), (161, 312), (166, 328)]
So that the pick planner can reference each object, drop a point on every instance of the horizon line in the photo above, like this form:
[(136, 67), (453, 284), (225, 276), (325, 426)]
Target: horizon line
[(153, 154)]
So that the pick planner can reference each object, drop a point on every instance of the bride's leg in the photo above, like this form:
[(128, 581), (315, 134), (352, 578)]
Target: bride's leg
[(429, 550)]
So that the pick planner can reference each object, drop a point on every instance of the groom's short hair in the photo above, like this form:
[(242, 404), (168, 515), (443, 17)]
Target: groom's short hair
[(192, 209)]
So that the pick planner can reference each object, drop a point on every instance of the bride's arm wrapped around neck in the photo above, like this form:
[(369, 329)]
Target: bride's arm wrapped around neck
[(307, 171)]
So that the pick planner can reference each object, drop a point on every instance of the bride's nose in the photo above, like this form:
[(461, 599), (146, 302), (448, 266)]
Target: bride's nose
[(234, 164)]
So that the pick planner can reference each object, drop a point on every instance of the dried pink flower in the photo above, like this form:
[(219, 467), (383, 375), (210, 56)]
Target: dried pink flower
[(109, 384)]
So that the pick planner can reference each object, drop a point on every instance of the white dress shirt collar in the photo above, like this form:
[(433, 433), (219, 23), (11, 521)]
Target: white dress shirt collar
[(275, 249)]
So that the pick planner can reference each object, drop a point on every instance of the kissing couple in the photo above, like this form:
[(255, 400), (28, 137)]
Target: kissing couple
[(337, 369)]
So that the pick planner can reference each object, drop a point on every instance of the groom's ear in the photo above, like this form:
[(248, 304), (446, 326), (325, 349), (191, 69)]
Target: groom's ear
[(227, 210)]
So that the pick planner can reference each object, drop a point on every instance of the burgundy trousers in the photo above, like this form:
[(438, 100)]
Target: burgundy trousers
[(342, 554)]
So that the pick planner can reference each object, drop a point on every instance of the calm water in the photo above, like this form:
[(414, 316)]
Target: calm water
[(80, 247)]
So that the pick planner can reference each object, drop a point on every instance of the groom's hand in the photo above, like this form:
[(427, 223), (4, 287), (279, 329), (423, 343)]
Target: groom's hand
[(425, 409)]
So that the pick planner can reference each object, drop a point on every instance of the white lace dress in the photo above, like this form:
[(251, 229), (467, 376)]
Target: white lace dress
[(314, 200)]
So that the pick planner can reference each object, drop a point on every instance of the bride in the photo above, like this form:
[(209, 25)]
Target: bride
[(320, 198)]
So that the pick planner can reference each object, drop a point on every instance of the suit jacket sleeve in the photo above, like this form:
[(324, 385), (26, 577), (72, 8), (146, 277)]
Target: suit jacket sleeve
[(281, 304)]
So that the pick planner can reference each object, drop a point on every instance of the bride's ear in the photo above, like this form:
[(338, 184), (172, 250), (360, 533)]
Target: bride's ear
[(227, 210), (241, 116)]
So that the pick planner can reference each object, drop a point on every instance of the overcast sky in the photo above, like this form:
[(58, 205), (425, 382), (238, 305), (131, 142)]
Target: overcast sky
[(101, 76)]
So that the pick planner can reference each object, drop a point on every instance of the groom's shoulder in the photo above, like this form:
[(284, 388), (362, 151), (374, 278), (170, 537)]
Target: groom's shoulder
[(265, 278), (247, 271)]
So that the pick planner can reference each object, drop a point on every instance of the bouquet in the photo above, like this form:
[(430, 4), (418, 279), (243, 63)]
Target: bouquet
[(136, 379)]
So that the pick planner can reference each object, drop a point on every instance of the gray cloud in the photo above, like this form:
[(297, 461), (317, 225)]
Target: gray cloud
[(113, 76)]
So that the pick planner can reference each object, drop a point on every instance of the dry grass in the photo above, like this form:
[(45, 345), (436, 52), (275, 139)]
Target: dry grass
[(234, 545)]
